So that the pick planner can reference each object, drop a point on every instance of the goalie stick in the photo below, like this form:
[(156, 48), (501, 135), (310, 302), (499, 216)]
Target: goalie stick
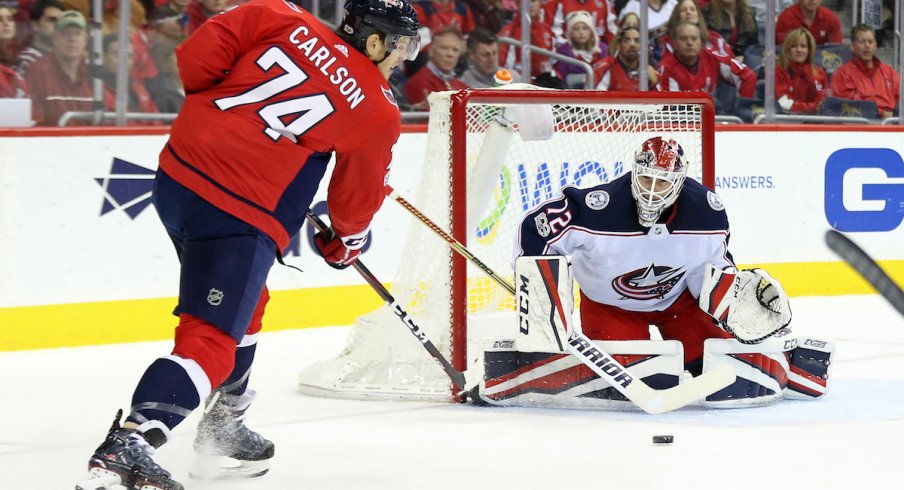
[(457, 377), (646, 398), (845, 248)]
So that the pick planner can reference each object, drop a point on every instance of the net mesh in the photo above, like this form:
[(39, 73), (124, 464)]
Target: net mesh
[(514, 163)]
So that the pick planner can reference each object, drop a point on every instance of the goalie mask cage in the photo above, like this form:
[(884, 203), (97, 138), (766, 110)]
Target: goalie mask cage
[(491, 158)]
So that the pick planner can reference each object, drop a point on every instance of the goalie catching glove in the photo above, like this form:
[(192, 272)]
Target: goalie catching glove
[(748, 304), (339, 252)]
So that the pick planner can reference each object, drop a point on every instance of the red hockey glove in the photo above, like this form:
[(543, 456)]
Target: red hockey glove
[(338, 253)]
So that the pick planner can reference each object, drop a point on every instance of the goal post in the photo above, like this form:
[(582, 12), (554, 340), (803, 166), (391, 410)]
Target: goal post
[(501, 152)]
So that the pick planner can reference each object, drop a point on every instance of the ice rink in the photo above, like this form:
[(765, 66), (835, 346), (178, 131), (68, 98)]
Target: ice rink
[(57, 405)]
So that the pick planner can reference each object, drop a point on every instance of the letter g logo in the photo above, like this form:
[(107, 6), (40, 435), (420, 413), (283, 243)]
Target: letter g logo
[(864, 189)]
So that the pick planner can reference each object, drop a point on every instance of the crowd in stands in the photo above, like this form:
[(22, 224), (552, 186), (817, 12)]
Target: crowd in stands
[(709, 45)]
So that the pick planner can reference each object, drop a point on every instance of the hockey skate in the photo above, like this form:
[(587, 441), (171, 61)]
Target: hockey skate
[(124, 460), (225, 447)]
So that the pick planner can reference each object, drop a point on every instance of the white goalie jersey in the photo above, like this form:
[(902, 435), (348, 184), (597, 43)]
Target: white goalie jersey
[(618, 262)]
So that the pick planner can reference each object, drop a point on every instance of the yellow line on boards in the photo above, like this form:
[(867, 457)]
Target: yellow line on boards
[(826, 278), (113, 322)]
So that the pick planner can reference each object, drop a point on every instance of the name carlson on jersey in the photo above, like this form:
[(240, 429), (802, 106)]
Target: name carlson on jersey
[(322, 58)]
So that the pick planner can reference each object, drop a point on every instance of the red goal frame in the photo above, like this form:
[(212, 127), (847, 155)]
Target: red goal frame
[(460, 101)]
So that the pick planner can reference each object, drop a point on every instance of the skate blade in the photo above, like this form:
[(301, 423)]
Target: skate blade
[(208, 467), (100, 479)]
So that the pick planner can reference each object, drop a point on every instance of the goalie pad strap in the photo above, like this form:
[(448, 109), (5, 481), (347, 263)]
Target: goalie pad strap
[(810, 365)]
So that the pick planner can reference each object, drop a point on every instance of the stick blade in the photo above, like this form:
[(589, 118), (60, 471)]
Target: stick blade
[(689, 391)]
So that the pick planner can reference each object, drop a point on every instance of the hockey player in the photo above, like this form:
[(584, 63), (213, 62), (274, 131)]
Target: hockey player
[(642, 247), (271, 95)]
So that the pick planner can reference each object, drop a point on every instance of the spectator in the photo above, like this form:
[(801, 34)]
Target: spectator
[(11, 84), (688, 11), (799, 83), (44, 15), (600, 11), (759, 13), (695, 68), (9, 44), (734, 20), (491, 15), (139, 98), (199, 11), (620, 72), (143, 66), (865, 77), (820, 21), (439, 72), (437, 15), (658, 13), (110, 23), (541, 36), (581, 44), (170, 21), (166, 88), (59, 82), (631, 19), (483, 60)]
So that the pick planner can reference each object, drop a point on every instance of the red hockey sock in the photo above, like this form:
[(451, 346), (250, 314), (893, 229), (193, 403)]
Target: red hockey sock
[(212, 348)]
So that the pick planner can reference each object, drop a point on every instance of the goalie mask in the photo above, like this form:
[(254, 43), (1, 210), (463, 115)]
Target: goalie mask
[(396, 20), (657, 178)]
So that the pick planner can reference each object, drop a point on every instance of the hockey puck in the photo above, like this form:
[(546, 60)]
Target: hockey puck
[(662, 440)]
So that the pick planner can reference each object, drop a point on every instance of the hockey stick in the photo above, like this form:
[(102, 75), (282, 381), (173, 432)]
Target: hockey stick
[(455, 244), (457, 377), (649, 400), (845, 248)]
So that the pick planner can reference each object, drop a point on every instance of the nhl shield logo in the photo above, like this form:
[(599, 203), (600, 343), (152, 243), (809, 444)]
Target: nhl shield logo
[(597, 200), (215, 297)]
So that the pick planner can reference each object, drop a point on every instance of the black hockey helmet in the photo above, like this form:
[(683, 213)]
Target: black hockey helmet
[(396, 19)]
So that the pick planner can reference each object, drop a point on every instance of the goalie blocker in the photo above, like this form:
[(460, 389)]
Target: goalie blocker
[(533, 367)]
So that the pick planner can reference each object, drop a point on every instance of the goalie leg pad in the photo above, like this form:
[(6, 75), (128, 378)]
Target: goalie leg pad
[(561, 380), (545, 299), (762, 372), (810, 362)]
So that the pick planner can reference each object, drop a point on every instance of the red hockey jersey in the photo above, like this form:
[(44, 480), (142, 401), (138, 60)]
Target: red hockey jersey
[(710, 67), (600, 10), (799, 88), (615, 77), (270, 88), (826, 27)]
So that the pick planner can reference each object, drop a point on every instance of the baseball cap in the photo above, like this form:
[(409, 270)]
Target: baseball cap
[(71, 18)]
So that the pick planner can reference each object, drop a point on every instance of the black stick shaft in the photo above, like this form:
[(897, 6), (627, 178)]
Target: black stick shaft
[(867, 267), (457, 377)]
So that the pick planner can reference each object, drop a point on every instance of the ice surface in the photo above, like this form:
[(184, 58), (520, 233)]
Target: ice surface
[(57, 404)]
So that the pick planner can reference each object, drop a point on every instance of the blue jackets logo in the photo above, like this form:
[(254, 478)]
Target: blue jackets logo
[(128, 187), (864, 189)]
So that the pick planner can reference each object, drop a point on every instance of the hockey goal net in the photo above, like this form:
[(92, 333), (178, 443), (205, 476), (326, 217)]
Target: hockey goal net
[(491, 156)]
